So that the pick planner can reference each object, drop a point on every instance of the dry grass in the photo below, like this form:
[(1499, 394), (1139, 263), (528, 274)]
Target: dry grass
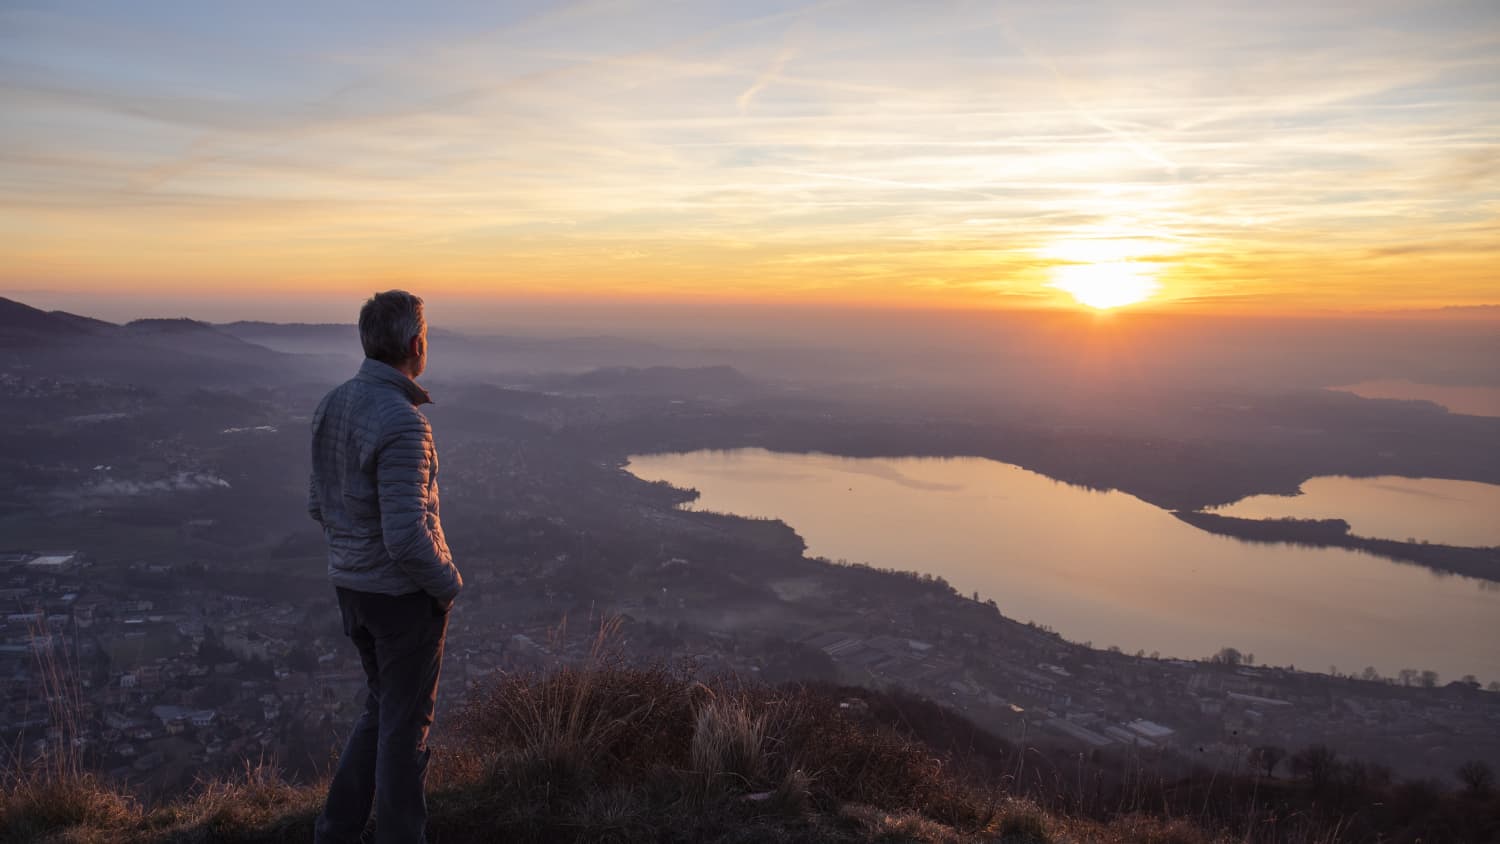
[(606, 752), (729, 742), (40, 806), (257, 805), (612, 753)]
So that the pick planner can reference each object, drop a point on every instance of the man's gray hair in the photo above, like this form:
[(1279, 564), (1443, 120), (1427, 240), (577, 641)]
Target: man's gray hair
[(387, 324)]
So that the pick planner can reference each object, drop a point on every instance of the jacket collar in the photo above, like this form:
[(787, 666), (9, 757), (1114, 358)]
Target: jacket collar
[(373, 371)]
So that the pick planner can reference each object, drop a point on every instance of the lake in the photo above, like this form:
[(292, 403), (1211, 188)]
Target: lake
[(1389, 507), (1105, 567)]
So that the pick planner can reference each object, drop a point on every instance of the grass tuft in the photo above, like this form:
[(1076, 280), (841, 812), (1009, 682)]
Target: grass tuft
[(729, 742), (1022, 823)]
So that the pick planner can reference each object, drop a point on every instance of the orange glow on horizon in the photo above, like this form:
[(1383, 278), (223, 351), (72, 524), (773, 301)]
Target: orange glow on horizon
[(103, 256), (728, 155)]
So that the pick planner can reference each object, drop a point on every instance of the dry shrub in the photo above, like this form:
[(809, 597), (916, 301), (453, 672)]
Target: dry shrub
[(258, 804), (863, 763), (1021, 823), (453, 764), (610, 753), (36, 806), (549, 742), (576, 727), (793, 795), (612, 814), (729, 741)]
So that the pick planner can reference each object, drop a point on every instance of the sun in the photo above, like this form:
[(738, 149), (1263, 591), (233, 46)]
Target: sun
[(1104, 272), (1106, 285)]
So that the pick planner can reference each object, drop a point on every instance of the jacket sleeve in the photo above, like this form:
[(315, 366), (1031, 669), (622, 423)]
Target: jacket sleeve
[(413, 538), (314, 503), (314, 506)]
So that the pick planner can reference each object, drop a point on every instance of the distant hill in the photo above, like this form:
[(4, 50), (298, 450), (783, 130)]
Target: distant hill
[(178, 325), (284, 329), (455, 354), (327, 339), (202, 339), (172, 352), (161, 353), (21, 323)]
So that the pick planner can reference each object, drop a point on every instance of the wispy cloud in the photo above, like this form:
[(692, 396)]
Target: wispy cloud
[(1270, 152)]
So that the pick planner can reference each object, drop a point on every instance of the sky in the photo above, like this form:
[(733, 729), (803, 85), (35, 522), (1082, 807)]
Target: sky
[(1238, 157)]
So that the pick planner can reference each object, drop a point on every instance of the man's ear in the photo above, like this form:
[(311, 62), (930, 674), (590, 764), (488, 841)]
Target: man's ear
[(414, 347)]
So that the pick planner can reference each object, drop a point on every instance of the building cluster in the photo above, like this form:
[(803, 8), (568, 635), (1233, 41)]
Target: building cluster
[(164, 676), (1023, 682), (155, 677), (156, 684)]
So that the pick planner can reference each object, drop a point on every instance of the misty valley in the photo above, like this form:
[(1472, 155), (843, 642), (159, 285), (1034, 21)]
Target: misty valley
[(1072, 563)]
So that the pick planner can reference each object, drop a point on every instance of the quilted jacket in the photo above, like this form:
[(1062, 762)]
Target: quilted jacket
[(374, 488)]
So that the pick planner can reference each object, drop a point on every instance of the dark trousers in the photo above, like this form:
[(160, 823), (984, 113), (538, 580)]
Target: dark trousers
[(384, 764)]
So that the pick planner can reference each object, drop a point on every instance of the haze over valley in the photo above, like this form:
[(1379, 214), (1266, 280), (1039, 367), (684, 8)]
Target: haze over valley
[(165, 460)]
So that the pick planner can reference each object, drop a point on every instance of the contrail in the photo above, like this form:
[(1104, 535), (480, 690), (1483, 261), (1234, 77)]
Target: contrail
[(782, 57), (1146, 151)]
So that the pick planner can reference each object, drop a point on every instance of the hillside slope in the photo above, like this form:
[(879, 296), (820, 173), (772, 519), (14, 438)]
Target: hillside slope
[(628, 754)]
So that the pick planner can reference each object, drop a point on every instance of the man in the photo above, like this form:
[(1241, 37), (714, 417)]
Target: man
[(374, 490)]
